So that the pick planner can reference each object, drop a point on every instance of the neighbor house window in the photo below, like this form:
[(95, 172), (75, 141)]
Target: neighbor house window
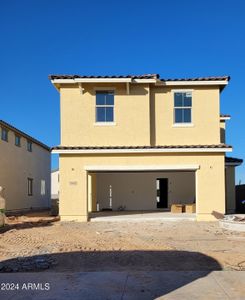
[(29, 146), (43, 188), (30, 186), (104, 106), (4, 134), (182, 107), (17, 140)]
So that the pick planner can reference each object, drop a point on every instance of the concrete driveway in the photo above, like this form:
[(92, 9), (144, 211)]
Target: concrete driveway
[(124, 285)]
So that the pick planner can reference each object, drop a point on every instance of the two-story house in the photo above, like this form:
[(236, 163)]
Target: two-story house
[(24, 170), (143, 143)]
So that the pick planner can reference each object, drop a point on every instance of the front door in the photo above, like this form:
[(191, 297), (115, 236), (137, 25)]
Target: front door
[(162, 192)]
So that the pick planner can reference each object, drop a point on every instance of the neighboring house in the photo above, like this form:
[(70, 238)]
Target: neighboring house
[(55, 184), (143, 143), (24, 170)]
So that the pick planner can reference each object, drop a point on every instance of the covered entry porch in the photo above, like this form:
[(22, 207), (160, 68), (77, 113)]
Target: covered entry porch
[(140, 192)]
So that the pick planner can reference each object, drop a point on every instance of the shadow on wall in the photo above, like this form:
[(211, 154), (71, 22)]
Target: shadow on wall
[(123, 262)]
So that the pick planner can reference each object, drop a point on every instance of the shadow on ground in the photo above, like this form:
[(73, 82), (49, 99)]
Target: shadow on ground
[(114, 268), (24, 224), (87, 261)]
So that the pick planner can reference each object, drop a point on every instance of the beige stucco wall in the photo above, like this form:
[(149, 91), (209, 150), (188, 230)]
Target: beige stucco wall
[(144, 117), (131, 116), (137, 191), (205, 117), (16, 165), (230, 189), (210, 180)]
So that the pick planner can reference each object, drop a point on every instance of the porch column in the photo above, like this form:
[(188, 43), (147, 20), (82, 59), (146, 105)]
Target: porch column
[(73, 191), (210, 189)]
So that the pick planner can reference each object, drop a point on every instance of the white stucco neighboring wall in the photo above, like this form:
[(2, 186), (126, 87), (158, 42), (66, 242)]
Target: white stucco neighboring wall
[(55, 186), (137, 190)]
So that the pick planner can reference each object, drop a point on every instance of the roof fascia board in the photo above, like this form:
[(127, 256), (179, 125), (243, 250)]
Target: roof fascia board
[(194, 82), (109, 151), (144, 80), (224, 118)]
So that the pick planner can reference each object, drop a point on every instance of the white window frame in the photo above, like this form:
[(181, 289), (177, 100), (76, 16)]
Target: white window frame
[(183, 124), (104, 89)]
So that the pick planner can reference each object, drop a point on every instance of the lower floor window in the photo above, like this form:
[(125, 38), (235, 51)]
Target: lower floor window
[(30, 186)]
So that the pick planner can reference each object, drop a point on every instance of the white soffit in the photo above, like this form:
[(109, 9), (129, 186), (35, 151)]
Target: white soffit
[(102, 80), (142, 168)]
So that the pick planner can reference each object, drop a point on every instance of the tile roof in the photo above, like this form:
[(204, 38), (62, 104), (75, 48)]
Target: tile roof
[(10, 127), (233, 160), (144, 76), (219, 146)]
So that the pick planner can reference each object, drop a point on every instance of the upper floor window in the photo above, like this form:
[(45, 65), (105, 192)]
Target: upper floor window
[(4, 134), (182, 107), (17, 140), (29, 146), (104, 106)]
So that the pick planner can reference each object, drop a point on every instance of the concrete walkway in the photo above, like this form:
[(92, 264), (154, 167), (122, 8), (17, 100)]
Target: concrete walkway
[(123, 285), (140, 216)]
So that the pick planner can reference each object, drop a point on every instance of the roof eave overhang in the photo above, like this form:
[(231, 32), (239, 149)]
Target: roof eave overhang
[(221, 83), (129, 151), (224, 118), (57, 82)]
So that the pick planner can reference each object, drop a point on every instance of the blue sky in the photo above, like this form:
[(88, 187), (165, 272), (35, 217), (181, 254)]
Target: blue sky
[(173, 38)]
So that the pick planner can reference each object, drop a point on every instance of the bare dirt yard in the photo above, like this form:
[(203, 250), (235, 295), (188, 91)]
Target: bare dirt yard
[(42, 243)]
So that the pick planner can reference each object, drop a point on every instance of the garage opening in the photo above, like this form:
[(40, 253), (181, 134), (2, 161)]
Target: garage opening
[(150, 191)]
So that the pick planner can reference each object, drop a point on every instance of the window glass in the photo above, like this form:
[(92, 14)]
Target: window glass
[(187, 115), (100, 114), (17, 140), (110, 99), (30, 186), (182, 107), (104, 106), (109, 114), (178, 99), (100, 98), (4, 134), (178, 115), (187, 99), (29, 146)]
